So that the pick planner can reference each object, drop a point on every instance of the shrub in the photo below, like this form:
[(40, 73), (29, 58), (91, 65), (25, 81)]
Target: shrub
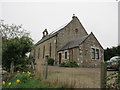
[(21, 67), (24, 80), (50, 61), (62, 64), (69, 64)]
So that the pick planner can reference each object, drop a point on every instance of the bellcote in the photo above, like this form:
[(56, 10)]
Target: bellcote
[(45, 33), (74, 17)]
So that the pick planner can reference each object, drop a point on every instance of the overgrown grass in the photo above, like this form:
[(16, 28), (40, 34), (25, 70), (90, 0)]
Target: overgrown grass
[(74, 77)]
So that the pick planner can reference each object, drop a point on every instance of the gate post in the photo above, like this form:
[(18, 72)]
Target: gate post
[(103, 74), (46, 67)]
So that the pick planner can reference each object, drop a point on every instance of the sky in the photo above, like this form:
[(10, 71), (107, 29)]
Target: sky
[(101, 17)]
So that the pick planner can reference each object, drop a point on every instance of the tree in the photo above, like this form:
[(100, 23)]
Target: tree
[(16, 43), (11, 31), (110, 52), (118, 48)]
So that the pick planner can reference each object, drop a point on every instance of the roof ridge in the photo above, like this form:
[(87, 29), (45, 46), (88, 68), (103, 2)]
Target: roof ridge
[(59, 28), (52, 34)]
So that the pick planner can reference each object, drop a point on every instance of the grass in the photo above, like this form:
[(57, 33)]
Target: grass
[(21, 80), (28, 80), (73, 77), (58, 77)]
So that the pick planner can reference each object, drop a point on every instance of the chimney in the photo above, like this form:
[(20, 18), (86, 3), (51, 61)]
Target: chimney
[(45, 33)]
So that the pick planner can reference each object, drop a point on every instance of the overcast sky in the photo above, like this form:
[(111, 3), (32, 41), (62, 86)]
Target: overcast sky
[(101, 18)]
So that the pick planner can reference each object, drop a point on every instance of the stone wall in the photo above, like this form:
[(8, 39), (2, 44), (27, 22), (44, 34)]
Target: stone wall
[(43, 49), (72, 31), (72, 55), (86, 54), (81, 54), (63, 59)]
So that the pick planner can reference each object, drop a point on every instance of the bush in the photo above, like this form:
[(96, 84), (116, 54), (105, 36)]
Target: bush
[(50, 61), (24, 80), (69, 64), (62, 64), (20, 67)]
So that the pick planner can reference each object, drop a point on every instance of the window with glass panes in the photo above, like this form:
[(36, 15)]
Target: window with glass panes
[(65, 55), (97, 53), (93, 53)]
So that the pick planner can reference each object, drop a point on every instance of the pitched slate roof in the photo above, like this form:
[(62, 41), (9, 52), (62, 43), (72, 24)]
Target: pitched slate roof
[(52, 34), (46, 38), (73, 43)]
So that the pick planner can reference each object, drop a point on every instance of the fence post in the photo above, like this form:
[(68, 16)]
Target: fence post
[(46, 67), (12, 67), (103, 74)]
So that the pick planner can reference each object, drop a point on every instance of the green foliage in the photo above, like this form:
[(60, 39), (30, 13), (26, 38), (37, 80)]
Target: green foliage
[(26, 81), (110, 52), (15, 44), (62, 64), (50, 61), (15, 50), (11, 31), (59, 86), (69, 64), (21, 67)]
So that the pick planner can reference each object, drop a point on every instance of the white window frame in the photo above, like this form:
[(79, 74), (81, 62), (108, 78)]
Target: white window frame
[(93, 53), (97, 55), (95, 48)]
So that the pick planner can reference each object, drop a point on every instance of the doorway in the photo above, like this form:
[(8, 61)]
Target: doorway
[(60, 56)]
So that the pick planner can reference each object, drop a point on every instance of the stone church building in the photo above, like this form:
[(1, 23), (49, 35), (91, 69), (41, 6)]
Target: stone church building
[(70, 43)]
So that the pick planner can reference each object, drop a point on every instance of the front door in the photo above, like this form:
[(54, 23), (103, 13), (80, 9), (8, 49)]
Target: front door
[(60, 56)]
